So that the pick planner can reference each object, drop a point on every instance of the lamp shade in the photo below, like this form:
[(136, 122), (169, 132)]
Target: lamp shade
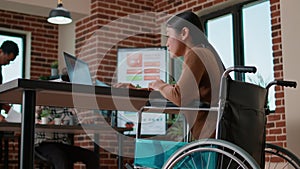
[(59, 15)]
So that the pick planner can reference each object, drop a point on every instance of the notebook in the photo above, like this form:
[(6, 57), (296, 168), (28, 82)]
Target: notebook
[(78, 71)]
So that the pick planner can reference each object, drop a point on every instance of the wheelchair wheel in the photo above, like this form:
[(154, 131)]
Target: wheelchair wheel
[(210, 153), (277, 157)]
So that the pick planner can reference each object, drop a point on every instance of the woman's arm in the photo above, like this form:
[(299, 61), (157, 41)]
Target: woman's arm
[(2, 118)]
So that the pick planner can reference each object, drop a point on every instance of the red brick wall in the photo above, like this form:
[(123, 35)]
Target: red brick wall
[(276, 132), (109, 26), (44, 39)]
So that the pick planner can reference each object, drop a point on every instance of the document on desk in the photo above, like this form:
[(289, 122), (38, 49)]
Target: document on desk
[(13, 116)]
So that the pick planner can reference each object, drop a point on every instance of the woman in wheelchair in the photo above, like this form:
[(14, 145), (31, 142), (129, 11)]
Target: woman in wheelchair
[(201, 71), (239, 123), (199, 81)]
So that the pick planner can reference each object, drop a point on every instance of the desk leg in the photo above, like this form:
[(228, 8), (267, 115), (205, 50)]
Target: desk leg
[(96, 147), (27, 130), (6, 153), (120, 146), (139, 123)]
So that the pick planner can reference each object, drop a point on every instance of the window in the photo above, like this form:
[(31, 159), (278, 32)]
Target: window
[(222, 39), (241, 34), (258, 45), (16, 68)]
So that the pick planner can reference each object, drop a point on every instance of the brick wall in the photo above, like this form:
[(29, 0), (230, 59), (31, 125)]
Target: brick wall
[(276, 131), (111, 24)]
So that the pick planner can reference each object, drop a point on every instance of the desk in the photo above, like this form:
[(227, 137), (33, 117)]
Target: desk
[(30, 93)]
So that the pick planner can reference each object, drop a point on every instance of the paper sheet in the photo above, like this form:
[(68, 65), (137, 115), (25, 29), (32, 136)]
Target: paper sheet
[(13, 116)]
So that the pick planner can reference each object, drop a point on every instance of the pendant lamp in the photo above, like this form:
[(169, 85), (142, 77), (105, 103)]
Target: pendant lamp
[(59, 15)]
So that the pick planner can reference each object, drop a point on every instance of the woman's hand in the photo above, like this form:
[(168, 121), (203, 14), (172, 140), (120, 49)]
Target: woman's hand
[(124, 85), (130, 86), (156, 84), (6, 107)]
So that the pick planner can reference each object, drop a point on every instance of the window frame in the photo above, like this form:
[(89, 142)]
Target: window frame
[(238, 38)]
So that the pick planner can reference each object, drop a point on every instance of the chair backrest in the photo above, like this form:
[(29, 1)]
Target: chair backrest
[(243, 120), (43, 160)]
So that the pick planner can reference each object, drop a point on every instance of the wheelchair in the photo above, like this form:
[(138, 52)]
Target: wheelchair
[(240, 133)]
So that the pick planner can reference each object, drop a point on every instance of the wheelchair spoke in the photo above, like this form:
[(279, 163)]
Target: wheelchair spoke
[(194, 162), (221, 160), (209, 157), (230, 161)]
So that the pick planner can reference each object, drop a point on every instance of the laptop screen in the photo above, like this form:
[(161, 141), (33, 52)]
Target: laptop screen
[(78, 70)]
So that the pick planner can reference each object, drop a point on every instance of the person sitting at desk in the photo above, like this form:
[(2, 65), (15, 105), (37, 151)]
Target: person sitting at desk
[(201, 72), (9, 50)]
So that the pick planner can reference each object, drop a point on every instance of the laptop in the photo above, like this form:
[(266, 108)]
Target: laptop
[(78, 71)]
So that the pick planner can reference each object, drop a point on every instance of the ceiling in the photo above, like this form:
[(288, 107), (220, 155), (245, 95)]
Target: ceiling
[(78, 10)]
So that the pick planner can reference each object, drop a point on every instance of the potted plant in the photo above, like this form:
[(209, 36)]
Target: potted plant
[(54, 68), (57, 119), (44, 116)]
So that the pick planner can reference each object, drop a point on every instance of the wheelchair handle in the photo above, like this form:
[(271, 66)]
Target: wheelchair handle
[(240, 69), (282, 83), (245, 69)]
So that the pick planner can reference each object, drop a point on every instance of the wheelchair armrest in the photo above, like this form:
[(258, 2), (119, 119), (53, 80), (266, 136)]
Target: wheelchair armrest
[(164, 105), (167, 103)]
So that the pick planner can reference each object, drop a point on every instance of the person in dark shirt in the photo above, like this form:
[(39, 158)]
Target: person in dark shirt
[(9, 50)]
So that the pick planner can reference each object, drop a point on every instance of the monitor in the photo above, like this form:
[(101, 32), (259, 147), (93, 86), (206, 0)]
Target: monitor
[(139, 66)]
